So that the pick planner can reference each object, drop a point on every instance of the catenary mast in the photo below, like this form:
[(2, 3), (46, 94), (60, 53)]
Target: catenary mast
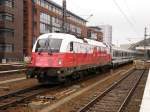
[(64, 17)]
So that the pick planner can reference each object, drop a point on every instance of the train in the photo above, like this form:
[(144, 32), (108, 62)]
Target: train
[(123, 56), (59, 56)]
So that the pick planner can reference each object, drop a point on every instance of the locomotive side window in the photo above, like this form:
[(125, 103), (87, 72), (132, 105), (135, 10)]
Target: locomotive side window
[(71, 46), (48, 45)]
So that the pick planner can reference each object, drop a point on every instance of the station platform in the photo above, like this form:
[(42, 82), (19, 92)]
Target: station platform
[(11, 64), (145, 105)]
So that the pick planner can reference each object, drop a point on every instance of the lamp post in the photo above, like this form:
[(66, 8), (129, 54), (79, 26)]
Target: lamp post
[(91, 15)]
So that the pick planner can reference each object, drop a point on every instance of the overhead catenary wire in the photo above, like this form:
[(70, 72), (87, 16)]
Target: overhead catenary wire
[(129, 11), (125, 16), (122, 12)]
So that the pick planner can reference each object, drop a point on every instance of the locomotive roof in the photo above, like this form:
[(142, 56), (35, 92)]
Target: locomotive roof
[(58, 35), (96, 43), (70, 37)]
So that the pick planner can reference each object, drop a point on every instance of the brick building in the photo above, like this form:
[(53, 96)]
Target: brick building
[(11, 29), (95, 33), (22, 21), (43, 16)]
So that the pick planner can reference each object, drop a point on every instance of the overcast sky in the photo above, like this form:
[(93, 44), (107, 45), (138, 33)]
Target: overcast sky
[(125, 29)]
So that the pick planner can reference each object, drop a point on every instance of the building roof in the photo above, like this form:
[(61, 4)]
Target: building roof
[(95, 27), (60, 7), (125, 46)]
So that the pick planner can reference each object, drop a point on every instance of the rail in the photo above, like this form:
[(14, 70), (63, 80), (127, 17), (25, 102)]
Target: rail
[(91, 104), (20, 95)]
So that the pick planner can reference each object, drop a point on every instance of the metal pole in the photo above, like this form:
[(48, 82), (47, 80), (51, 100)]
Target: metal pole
[(145, 34), (64, 17)]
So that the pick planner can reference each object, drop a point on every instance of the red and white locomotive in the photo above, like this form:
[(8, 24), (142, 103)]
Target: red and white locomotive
[(56, 56)]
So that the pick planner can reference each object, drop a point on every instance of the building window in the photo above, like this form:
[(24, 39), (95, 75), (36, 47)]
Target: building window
[(9, 3), (6, 32), (78, 30), (45, 28), (6, 48), (56, 9), (45, 23), (50, 7), (93, 35), (6, 17), (45, 18), (56, 29), (56, 22), (37, 1), (42, 3)]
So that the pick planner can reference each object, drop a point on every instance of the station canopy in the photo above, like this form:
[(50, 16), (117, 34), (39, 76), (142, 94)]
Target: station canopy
[(141, 45), (143, 48)]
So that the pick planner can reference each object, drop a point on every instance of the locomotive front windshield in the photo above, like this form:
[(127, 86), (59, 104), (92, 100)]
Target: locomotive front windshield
[(49, 45)]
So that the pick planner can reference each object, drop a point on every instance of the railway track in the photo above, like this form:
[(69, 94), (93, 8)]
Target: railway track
[(115, 97), (20, 96)]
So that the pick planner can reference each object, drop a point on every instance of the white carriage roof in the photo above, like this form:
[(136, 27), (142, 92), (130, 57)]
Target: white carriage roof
[(120, 49)]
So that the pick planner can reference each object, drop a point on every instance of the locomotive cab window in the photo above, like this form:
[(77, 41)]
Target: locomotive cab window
[(48, 45)]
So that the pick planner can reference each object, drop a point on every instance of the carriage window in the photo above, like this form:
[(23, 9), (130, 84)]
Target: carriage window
[(48, 45), (115, 54)]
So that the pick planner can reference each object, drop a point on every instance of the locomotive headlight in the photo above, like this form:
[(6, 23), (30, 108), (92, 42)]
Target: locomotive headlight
[(59, 61)]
